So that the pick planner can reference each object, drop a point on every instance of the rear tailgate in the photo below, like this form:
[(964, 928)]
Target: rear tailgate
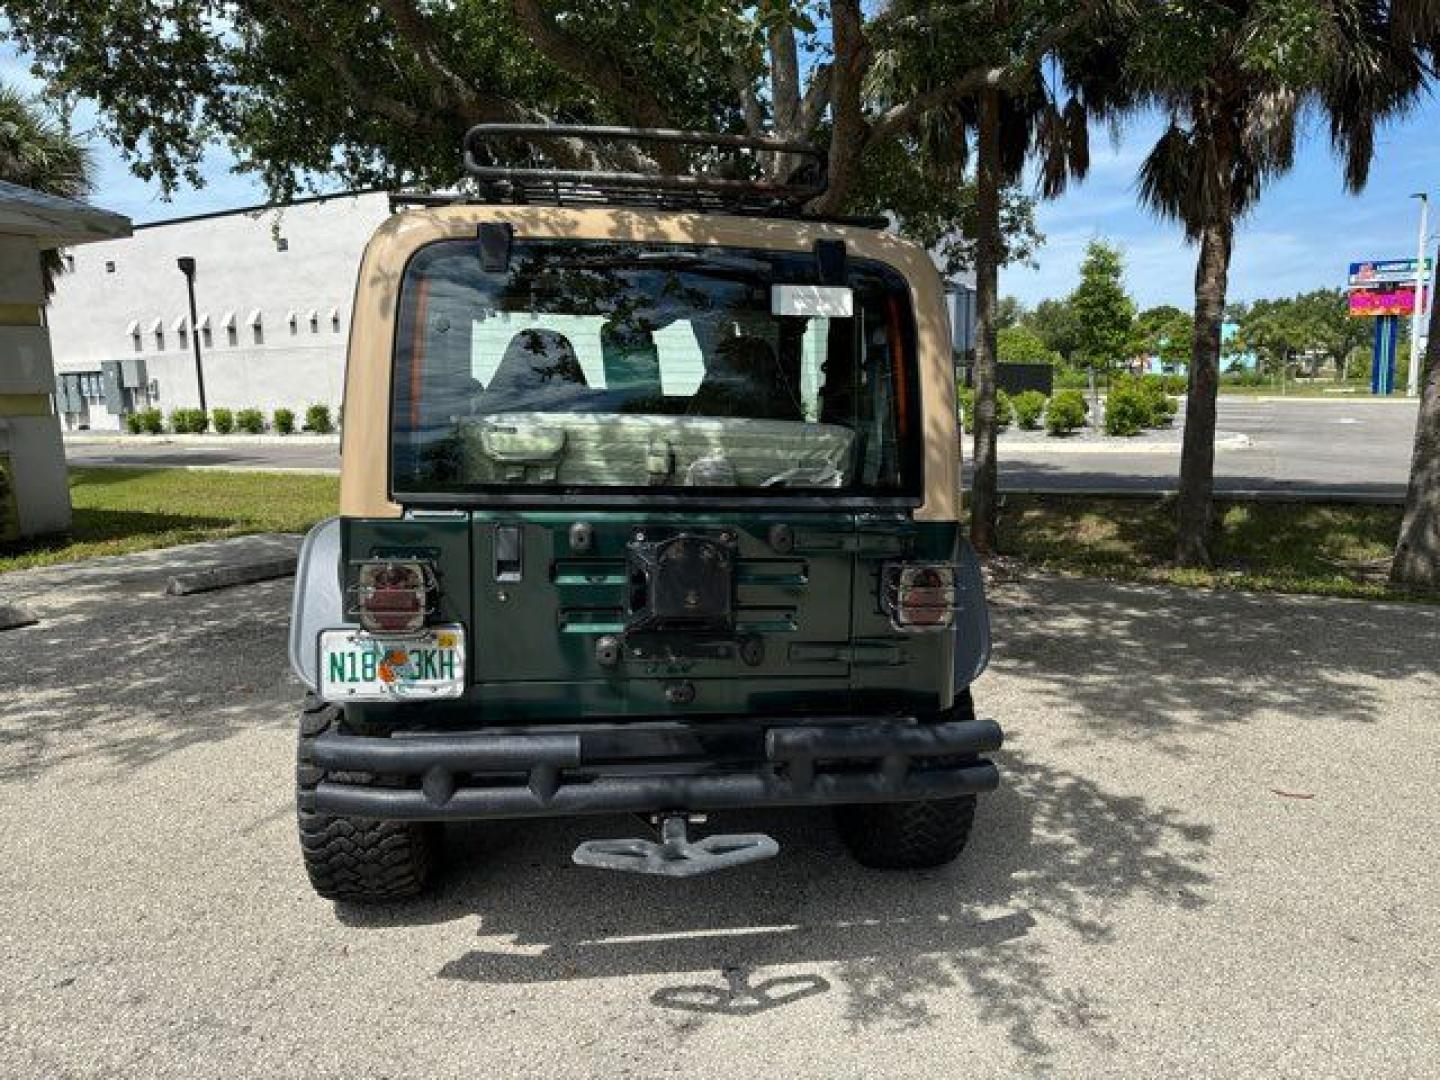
[(550, 593)]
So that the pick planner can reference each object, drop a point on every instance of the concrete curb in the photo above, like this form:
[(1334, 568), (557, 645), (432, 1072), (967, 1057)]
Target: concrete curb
[(201, 440), (1022, 448), (1259, 495), (1329, 399), (225, 577), (264, 467), (14, 616)]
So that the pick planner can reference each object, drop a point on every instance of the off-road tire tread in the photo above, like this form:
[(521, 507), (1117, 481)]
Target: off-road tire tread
[(906, 836), (355, 859), (912, 835)]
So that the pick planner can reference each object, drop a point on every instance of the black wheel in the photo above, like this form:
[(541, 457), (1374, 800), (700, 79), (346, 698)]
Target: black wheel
[(906, 836), (355, 858), (911, 835)]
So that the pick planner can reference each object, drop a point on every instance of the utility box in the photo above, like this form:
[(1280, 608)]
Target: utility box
[(110, 372)]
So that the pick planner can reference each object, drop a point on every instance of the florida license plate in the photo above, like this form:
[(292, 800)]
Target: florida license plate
[(355, 665)]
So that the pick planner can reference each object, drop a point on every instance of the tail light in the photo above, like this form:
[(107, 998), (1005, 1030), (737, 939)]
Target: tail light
[(393, 597), (919, 596)]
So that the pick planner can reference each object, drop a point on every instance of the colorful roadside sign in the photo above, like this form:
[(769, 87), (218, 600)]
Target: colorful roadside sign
[(1378, 272), (1371, 303)]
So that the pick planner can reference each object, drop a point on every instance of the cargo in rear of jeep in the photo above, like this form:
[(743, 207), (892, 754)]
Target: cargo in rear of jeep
[(657, 532)]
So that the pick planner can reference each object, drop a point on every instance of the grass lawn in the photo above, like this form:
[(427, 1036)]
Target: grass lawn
[(1331, 550), (124, 510)]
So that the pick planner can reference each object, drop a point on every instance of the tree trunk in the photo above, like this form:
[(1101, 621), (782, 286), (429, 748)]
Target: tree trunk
[(1197, 454), (849, 130), (985, 493), (1417, 555)]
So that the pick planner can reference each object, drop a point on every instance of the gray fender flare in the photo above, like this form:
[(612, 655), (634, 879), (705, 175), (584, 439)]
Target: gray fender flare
[(972, 617), (319, 602)]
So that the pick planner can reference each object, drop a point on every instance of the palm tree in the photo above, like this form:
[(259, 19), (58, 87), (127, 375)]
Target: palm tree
[(1417, 554), (1236, 80), (37, 152), (1015, 117)]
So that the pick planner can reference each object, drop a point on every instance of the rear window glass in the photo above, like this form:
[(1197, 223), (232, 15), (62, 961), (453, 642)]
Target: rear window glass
[(597, 365)]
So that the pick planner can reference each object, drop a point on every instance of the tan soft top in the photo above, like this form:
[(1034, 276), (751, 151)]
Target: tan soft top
[(365, 445)]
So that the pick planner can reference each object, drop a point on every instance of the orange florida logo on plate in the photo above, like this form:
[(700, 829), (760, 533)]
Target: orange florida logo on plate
[(394, 659)]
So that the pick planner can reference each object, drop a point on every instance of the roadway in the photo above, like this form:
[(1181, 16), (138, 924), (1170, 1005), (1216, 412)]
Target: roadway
[(1355, 446)]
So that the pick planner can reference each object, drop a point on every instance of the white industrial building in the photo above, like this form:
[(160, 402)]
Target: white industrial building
[(273, 286)]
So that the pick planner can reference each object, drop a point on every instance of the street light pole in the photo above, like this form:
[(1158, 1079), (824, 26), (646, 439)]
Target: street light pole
[(1417, 323), (187, 267)]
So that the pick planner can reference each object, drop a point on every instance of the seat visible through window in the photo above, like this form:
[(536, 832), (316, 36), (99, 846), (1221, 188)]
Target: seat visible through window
[(538, 371), (743, 378)]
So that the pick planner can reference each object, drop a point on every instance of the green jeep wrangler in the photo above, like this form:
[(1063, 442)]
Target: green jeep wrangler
[(649, 504)]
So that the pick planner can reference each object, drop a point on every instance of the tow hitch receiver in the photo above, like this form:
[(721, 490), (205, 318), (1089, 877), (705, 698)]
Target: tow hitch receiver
[(675, 855)]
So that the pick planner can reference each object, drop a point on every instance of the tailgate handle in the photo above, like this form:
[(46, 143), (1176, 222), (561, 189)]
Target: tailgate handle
[(508, 560)]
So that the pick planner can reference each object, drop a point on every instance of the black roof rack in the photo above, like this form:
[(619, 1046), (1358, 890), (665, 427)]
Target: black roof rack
[(703, 191)]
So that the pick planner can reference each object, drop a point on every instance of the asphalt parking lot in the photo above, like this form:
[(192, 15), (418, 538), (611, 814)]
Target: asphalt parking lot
[(1353, 446), (1213, 853)]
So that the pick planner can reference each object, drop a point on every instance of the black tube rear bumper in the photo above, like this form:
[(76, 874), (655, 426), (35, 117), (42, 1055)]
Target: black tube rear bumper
[(647, 768)]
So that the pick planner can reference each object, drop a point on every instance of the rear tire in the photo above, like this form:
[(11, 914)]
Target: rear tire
[(355, 859), (906, 836), (910, 835)]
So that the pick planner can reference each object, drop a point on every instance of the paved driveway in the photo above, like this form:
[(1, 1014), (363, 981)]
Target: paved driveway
[(1214, 853)]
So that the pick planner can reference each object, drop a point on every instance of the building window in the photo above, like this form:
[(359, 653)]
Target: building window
[(314, 321), (184, 338), (134, 331), (109, 266), (257, 331), (232, 336), (282, 244), (70, 263)]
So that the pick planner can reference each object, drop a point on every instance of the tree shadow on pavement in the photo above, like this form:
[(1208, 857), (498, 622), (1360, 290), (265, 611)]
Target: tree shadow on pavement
[(116, 676), (1157, 665), (1050, 846)]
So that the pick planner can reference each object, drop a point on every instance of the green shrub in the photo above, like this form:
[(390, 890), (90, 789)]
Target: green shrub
[(133, 423), (1159, 406), (188, 421), (1066, 412), (317, 419), (1168, 384), (1162, 406), (224, 420), (151, 421), (284, 421), (1127, 410), (1029, 408), (250, 421), (1004, 410)]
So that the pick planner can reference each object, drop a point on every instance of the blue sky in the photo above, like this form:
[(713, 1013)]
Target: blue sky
[(1302, 236), (1304, 233)]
